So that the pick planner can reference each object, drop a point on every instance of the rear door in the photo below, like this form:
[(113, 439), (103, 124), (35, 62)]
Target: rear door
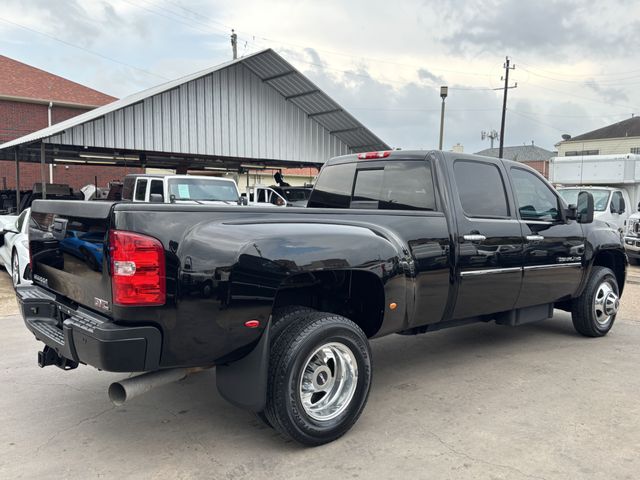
[(489, 239), (553, 246)]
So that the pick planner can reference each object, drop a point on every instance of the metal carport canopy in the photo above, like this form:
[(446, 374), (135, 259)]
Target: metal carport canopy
[(254, 111)]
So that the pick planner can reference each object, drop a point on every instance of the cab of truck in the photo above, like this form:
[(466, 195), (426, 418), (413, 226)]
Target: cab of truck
[(159, 188)]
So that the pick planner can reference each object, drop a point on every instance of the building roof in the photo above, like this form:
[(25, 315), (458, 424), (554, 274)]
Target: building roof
[(626, 128), (24, 82), (520, 153), (178, 117)]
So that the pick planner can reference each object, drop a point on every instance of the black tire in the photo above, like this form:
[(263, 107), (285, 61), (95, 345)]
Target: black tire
[(15, 269), (292, 352), (280, 319), (593, 320)]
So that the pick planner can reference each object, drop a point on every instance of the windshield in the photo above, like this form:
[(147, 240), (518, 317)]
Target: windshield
[(202, 189), (296, 194), (600, 197)]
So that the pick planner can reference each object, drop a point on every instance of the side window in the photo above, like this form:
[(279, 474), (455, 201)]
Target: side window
[(333, 187), (399, 186), (617, 203), (535, 199), (20, 221), (141, 189), (481, 189), (127, 188), (156, 187)]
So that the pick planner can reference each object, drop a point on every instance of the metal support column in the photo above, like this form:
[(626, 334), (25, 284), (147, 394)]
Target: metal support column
[(17, 180), (43, 170)]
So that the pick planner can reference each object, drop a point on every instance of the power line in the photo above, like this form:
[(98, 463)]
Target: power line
[(579, 74), (82, 48), (586, 81), (175, 19), (582, 97)]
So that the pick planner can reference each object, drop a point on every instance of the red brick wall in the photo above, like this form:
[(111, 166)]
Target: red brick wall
[(20, 118), (77, 176), (541, 166)]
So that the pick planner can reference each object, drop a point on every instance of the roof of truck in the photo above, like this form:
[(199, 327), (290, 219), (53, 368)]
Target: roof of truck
[(176, 175)]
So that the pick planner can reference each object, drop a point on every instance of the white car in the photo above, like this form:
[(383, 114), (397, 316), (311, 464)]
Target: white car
[(14, 246)]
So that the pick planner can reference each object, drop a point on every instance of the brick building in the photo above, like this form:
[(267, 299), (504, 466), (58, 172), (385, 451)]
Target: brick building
[(25, 95)]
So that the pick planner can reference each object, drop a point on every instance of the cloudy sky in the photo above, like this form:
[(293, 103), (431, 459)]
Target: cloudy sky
[(576, 61)]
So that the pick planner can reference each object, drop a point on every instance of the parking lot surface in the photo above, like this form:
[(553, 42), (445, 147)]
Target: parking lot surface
[(483, 401)]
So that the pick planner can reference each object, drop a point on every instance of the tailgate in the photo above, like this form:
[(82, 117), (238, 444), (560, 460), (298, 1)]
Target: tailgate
[(68, 245)]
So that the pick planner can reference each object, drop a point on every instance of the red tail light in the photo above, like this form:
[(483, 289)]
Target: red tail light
[(372, 155), (137, 269)]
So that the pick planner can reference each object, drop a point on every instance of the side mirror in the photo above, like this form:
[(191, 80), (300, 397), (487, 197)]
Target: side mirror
[(172, 199), (585, 207), (243, 201), (156, 198), (639, 206)]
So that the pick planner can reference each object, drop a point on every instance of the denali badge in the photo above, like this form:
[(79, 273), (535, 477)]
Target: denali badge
[(100, 303), (40, 279)]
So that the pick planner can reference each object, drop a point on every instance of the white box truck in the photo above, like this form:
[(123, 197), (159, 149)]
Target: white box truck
[(614, 182)]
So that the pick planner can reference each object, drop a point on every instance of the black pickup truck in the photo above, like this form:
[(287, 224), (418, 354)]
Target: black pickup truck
[(284, 301)]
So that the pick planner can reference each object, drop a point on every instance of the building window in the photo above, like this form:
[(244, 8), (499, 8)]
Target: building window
[(635, 150), (577, 153)]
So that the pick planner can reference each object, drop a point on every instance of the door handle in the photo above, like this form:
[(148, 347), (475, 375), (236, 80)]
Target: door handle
[(474, 238), (534, 238)]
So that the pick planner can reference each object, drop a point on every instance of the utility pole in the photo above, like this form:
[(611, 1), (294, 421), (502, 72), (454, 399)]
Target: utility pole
[(507, 67), (234, 44), (443, 94)]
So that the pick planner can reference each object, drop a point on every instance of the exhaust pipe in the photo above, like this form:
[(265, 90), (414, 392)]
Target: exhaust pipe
[(124, 390)]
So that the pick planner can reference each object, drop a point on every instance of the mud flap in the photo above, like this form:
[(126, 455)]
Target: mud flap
[(244, 383)]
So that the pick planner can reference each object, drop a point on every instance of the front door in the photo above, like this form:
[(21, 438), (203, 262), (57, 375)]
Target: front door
[(553, 246), (489, 239)]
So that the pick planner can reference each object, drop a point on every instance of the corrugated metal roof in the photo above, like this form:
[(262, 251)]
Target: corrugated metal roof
[(139, 121)]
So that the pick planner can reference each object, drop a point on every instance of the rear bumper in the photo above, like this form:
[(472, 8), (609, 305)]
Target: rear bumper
[(86, 337)]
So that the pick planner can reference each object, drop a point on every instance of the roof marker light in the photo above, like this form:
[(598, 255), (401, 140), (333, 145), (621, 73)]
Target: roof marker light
[(372, 155)]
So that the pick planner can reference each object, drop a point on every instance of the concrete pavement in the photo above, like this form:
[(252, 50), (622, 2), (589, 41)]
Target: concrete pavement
[(481, 401)]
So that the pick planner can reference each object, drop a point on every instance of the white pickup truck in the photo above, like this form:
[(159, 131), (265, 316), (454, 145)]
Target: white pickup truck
[(161, 188)]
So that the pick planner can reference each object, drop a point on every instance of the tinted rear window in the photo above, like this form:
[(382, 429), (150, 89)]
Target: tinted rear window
[(333, 187), (397, 185)]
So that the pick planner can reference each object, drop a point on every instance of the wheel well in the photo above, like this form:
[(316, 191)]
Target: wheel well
[(615, 261), (355, 294)]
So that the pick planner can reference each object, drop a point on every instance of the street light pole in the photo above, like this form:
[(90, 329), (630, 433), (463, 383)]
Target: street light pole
[(443, 94)]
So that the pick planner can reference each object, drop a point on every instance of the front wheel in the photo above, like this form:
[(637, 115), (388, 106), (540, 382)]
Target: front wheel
[(319, 378), (15, 269), (594, 312)]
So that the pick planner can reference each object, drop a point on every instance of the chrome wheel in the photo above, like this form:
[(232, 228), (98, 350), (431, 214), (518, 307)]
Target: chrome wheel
[(328, 381), (15, 270), (605, 303)]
